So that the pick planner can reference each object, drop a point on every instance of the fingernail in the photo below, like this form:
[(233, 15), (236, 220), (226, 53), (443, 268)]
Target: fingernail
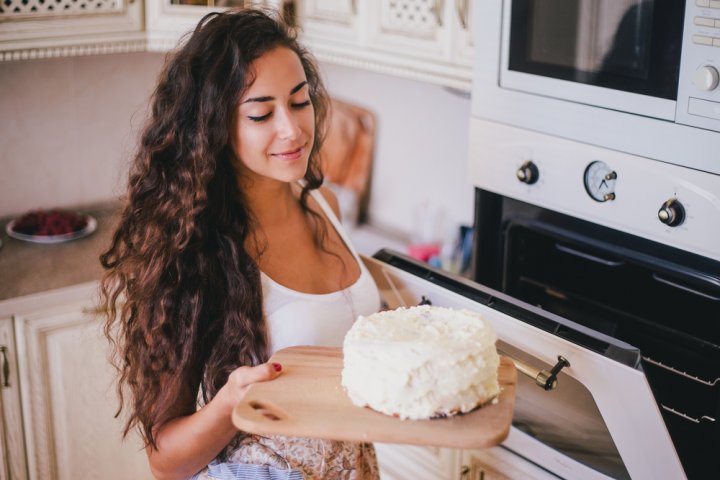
[(277, 367)]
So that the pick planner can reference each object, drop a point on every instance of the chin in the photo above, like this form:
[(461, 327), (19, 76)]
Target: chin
[(294, 174)]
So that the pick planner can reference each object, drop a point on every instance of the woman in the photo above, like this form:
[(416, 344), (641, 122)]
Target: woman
[(228, 250)]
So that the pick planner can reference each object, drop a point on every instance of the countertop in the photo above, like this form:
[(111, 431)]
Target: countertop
[(27, 268)]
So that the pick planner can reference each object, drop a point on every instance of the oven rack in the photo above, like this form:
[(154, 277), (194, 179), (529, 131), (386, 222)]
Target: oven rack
[(682, 373), (688, 417)]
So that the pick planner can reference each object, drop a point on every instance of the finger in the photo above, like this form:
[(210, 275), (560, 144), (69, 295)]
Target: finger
[(259, 373)]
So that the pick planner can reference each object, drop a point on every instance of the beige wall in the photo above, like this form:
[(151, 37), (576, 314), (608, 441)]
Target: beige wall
[(420, 180), (69, 127)]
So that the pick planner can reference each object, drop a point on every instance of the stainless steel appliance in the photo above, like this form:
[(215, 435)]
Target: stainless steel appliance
[(596, 70), (595, 152)]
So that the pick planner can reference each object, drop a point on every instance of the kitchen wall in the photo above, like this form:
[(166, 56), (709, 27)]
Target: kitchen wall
[(69, 127), (419, 178)]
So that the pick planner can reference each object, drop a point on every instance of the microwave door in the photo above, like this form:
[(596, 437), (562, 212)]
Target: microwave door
[(600, 421)]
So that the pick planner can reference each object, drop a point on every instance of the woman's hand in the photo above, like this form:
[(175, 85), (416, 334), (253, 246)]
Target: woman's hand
[(241, 378), (187, 443)]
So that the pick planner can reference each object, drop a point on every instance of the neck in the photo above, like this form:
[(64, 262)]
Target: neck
[(270, 201)]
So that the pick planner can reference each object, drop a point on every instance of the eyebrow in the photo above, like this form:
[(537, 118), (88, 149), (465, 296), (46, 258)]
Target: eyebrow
[(295, 89)]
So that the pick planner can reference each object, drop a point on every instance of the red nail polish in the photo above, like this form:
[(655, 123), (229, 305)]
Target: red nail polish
[(277, 367)]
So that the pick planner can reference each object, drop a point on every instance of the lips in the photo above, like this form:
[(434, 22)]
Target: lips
[(292, 154)]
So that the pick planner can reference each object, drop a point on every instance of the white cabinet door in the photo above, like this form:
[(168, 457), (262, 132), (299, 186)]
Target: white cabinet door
[(69, 399), (414, 28), (338, 20), (400, 462), (168, 21), (43, 28), (498, 463), (12, 441)]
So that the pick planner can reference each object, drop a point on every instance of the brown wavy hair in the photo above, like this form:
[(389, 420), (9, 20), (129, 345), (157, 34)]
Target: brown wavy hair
[(183, 295)]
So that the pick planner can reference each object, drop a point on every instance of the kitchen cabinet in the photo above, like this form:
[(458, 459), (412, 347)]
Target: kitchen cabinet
[(497, 463), (169, 20), (338, 22), (61, 421), (398, 462), (40, 29), (32, 29), (427, 40), (12, 460)]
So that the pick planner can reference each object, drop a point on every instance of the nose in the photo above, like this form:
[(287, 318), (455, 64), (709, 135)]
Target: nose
[(288, 127)]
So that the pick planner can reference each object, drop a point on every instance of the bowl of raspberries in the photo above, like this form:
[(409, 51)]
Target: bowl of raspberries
[(51, 226)]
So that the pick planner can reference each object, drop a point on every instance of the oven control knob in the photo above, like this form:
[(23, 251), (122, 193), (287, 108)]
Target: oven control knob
[(528, 173), (706, 78), (672, 213)]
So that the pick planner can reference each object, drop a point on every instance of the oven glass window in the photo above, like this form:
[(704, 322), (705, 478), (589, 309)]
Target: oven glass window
[(566, 419), (628, 45)]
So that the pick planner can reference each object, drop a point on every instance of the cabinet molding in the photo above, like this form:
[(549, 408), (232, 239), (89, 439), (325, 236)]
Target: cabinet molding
[(457, 78), (96, 48)]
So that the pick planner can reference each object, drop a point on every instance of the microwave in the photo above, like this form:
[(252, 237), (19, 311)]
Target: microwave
[(635, 76)]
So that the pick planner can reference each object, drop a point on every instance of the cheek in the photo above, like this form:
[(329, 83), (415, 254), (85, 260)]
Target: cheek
[(309, 122), (251, 142)]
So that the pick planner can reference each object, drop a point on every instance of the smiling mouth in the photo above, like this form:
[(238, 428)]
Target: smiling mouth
[(290, 154)]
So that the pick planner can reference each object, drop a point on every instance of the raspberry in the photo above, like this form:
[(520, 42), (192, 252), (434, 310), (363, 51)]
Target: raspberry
[(51, 222)]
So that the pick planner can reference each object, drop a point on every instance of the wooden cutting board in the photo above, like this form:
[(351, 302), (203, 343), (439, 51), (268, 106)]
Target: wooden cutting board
[(307, 400)]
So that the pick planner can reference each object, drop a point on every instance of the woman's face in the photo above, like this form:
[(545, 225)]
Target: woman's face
[(274, 124)]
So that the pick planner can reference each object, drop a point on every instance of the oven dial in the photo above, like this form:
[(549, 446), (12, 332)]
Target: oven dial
[(528, 173), (706, 78), (600, 181), (672, 213)]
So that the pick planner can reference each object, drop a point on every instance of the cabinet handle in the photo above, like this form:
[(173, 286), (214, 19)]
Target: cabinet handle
[(438, 11), (5, 367), (461, 6), (353, 7)]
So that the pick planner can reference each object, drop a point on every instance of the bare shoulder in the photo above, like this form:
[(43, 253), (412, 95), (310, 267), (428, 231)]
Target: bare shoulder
[(332, 200)]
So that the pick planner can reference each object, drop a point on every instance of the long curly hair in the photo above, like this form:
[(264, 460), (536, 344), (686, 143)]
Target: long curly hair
[(183, 294)]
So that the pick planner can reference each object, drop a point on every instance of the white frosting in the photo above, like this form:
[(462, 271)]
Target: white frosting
[(421, 362)]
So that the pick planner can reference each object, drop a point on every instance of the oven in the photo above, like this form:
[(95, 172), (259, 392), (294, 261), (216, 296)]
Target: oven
[(584, 407), (617, 336), (596, 251)]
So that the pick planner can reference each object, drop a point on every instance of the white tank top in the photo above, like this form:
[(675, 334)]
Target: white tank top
[(297, 318)]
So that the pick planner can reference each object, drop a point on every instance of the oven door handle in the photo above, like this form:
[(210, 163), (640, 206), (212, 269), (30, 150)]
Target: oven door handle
[(685, 288), (587, 256), (543, 379)]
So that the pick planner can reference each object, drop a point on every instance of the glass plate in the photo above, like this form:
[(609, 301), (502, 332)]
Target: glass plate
[(66, 237)]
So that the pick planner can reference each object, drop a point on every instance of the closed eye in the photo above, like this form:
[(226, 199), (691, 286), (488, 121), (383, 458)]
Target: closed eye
[(296, 106), (260, 118)]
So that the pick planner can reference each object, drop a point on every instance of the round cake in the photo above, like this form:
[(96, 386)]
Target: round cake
[(421, 362)]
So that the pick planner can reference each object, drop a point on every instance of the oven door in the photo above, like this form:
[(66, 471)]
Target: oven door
[(601, 421), (617, 54)]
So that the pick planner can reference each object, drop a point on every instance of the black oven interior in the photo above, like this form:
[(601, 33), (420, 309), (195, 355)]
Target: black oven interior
[(662, 300)]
